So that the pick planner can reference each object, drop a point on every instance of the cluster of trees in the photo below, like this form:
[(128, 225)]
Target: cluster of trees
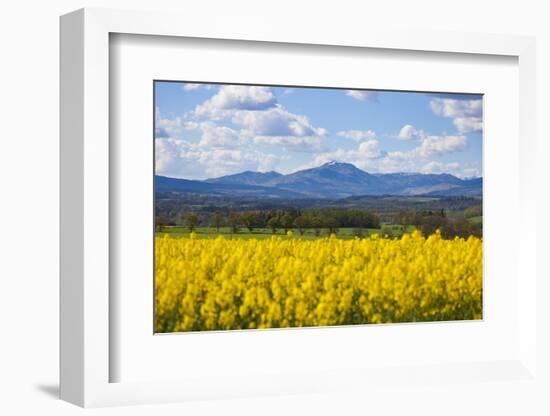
[(275, 220), (416, 218), (430, 221), (303, 222)]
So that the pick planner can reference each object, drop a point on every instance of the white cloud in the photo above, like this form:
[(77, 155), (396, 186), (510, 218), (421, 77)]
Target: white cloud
[(448, 107), (263, 131), (182, 159), (440, 145), (439, 167), (366, 151), (212, 135), (409, 132), (191, 87), (169, 154), (308, 144), (466, 114), (369, 156), (357, 135), (470, 173), (231, 98), (219, 137), (167, 127), (191, 125), (468, 124), (262, 120), (369, 150), (275, 122), (363, 95)]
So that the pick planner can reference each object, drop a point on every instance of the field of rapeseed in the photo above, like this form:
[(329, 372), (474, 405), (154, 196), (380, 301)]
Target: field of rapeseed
[(220, 284)]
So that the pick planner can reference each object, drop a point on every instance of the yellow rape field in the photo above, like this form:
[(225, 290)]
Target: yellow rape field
[(282, 282)]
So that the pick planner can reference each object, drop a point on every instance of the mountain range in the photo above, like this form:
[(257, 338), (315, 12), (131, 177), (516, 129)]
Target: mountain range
[(333, 180)]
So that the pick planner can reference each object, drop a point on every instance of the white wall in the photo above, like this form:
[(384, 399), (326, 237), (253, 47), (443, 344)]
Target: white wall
[(29, 171)]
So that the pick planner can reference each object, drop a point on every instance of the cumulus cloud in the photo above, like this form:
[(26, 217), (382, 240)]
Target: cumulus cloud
[(440, 145), (167, 127), (275, 122), (439, 167), (212, 135), (365, 151), (468, 124), (261, 118), (363, 95), (408, 132), (297, 144), (430, 145), (466, 114), (369, 149), (191, 125), (357, 135), (371, 157), (447, 107), (216, 150), (219, 136), (183, 159), (169, 153), (231, 98)]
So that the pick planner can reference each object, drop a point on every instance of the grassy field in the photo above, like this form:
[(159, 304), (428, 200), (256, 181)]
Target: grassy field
[(476, 220), (263, 233)]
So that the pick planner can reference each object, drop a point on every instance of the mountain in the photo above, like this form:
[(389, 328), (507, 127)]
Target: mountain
[(247, 178), (165, 185), (469, 187), (420, 184), (332, 180)]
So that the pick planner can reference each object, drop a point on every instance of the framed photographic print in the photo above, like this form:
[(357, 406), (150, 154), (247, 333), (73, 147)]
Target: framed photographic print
[(281, 213), (280, 206)]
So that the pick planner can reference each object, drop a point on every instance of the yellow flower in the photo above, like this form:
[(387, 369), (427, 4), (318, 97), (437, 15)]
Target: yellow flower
[(218, 284)]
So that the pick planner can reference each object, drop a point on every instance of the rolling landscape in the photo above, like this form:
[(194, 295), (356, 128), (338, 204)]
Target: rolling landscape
[(335, 197), (334, 186), (332, 180)]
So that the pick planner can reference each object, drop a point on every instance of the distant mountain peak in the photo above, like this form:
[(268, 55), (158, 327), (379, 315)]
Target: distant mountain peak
[(336, 163), (343, 168)]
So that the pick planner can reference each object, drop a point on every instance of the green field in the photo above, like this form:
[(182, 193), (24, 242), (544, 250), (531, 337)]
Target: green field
[(476, 220), (263, 233)]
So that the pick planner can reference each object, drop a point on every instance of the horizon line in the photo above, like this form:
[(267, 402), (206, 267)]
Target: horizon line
[(321, 165)]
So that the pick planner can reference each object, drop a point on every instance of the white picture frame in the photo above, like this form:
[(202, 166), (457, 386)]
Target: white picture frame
[(85, 210)]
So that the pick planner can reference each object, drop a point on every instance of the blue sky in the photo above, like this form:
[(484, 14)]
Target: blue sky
[(210, 130)]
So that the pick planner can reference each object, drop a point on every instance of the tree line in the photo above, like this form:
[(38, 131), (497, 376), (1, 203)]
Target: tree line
[(275, 220), (316, 220), (429, 221)]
